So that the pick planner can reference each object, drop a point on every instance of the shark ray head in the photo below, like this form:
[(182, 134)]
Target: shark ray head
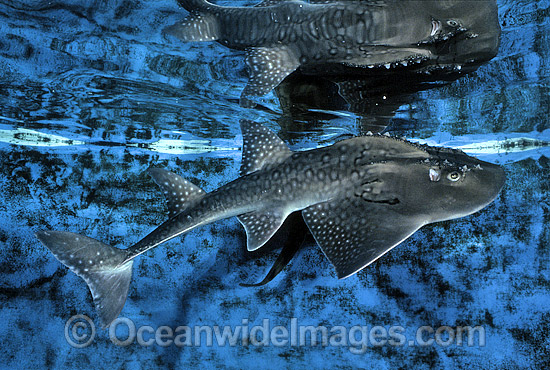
[(451, 184)]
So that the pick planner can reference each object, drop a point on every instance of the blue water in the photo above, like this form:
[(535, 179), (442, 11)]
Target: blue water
[(92, 94)]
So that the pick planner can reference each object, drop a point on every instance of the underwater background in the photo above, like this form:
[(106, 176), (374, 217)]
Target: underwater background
[(92, 95)]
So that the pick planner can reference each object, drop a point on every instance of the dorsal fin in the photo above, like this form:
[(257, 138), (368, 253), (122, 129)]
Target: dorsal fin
[(196, 27), (267, 67), (260, 147), (179, 192)]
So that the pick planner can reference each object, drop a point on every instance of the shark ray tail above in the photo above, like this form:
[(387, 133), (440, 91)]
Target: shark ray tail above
[(104, 268)]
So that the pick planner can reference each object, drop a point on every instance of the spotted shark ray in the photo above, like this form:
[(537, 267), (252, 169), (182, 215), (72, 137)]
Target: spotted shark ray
[(359, 198), (345, 37)]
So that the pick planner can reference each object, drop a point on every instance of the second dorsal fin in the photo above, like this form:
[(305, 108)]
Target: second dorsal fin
[(179, 192), (260, 147)]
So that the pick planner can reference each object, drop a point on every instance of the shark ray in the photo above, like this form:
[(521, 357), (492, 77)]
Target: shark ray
[(359, 197)]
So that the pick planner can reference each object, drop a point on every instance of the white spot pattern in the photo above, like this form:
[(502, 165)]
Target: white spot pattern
[(196, 27), (260, 226), (267, 67), (353, 234), (178, 192), (107, 279), (260, 146)]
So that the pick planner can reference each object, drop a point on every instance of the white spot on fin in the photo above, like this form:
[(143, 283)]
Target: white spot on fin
[(353, 233), (108, 278), (260, 226), (196, 27), (260, 147), (179, 192), (267, 67)]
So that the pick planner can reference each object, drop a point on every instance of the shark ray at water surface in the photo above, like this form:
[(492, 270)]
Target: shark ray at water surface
[(359, 198), (346, 38)]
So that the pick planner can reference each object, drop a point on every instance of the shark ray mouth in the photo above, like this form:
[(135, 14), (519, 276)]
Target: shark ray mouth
[(406, 62), (436, 26)]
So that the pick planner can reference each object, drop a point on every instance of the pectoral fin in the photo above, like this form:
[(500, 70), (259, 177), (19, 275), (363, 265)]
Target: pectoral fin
[(353, 232)]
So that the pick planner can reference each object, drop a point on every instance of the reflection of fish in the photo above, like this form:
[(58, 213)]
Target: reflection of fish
[(343, 37), (359, 197)]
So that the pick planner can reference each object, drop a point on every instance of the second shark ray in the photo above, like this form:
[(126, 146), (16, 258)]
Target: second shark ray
[(346, 37)]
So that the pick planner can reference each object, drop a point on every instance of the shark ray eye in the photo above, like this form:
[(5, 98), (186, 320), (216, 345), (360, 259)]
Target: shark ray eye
[(452, 23), (435, 175), (454, 176)]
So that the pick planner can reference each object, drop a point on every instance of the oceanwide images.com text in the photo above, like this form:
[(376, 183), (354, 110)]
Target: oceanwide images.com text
[(80, 332)]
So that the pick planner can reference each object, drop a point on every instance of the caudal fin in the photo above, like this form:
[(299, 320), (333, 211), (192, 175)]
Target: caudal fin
[(100, 265)]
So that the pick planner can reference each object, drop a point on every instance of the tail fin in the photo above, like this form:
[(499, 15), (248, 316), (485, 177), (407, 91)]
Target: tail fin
[(200, 25), (101, 266)]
